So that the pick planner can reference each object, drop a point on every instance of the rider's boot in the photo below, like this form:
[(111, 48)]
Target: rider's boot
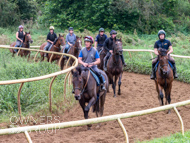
[(123, 61), (105, 63), (175, 71), (102, 82), (153, 73)]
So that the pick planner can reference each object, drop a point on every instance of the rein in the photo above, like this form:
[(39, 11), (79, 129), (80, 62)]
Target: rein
[(86, 82)]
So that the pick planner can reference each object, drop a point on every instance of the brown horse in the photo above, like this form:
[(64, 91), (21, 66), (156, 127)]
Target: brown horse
[(102, 55), (115, 66), (74, 50), (26, 44), (164, 77), (86, 91), (60, 41)]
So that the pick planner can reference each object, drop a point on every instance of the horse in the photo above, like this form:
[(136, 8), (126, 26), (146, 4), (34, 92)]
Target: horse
[(74, 50), (164, 77), (115, 66), (102, 54), (26, 44), (60, 41), (86, 91)]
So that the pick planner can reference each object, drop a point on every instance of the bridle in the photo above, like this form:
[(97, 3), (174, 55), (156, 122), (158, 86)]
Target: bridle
[(83, 89)]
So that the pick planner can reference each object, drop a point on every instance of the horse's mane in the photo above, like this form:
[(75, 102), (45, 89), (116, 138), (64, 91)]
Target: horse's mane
[(163, 52), (24, 37), (55, 41)]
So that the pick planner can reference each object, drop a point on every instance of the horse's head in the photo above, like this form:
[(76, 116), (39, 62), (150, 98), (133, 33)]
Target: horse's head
[(78, 43), (163, 60), (117, 47), (28, 38), (61, 40), (77, 82)]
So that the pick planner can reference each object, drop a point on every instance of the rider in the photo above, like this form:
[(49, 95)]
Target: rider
[(165, 44), (100, 39), (89, 57), (70, 40), (108, 47), (19, 36), (50, 39)]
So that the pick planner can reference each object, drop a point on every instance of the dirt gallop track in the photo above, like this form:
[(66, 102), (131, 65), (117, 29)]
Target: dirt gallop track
[(138, 93)]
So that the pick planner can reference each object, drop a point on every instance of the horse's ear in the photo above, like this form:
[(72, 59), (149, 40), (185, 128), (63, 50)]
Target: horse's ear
[(120, 39), (29, 32), (63, 35), (26, 33), (77, 37), (79, 69), (81, 37)]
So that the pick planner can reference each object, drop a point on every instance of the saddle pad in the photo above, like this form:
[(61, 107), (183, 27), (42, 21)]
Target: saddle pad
[(156, 66), (96, 78), (100, 51)]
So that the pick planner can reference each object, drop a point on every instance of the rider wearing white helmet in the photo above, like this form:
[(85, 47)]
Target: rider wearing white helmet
[(164, 44), (19, 36), (50, 39), (89, 57)]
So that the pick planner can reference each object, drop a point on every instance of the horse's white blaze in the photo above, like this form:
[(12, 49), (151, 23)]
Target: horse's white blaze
[(80, 43)]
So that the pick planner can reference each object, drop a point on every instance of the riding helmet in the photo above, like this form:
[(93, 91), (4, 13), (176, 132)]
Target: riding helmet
[(101, 29), (89, 38), (161, 32), (113, 32), (20, 27), (70, 28), (51, 28)]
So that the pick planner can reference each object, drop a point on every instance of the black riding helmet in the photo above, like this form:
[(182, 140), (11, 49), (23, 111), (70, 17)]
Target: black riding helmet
[(113, 32), (70, 28), (161, 32)]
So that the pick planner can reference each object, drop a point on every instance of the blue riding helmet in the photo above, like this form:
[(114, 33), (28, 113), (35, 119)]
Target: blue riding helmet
[(70, 28)]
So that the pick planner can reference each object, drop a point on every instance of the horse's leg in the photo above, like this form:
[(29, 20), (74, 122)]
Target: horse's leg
[(169, 95), (113, 86), (161, 95), (87, 108), (62, 63), (119, 84), (82, 104)]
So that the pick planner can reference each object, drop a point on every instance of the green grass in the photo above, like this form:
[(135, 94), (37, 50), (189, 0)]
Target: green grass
[(34, 95), (175, 138)]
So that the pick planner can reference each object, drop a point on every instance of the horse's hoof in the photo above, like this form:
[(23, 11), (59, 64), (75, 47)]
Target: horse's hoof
[(169, 112), (114, 96), (98, 126), (119, 93)]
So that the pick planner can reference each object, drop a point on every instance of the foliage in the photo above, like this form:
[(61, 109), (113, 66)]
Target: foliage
[(146, 16)]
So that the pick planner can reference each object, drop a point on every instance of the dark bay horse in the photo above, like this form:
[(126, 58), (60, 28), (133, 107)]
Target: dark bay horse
[(60, 41), (164, 77), (102, 54), (26, 44), (86, 90), (115, 66), (74, 50)]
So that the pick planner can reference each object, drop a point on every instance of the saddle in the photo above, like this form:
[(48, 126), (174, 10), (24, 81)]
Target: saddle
[(96, 77)]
